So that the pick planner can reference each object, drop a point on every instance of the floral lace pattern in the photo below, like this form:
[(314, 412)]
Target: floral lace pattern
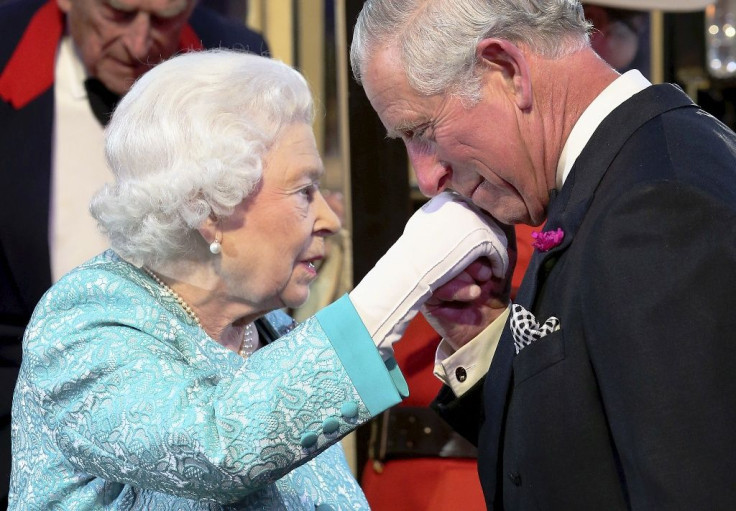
[(124, 403)]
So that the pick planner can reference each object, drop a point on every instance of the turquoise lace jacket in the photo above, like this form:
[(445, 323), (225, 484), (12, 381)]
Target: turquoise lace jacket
[(124, 403)]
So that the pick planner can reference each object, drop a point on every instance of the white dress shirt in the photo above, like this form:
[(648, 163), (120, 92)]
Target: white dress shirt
[(79, 167), (462, 369)]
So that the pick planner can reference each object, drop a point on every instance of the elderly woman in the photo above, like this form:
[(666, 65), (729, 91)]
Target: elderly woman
[(143, 385)]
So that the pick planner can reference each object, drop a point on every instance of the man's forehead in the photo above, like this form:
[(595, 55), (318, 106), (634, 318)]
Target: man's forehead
[(163, 8), (388, 91), (400, 108)]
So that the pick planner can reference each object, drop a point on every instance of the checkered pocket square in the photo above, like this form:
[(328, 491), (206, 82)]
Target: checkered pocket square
[(526, 329)]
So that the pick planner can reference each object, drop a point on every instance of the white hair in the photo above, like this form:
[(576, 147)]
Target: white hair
[(437, 39), (188, 141)]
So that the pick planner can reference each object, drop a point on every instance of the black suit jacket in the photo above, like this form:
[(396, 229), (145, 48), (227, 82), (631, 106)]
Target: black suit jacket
[(630, 405), (25, 174)]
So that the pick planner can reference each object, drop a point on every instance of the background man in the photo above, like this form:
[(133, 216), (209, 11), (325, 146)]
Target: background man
[(610, 388), (63, 66)]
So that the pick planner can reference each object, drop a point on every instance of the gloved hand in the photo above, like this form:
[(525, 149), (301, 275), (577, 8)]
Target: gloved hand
[(439, 241)]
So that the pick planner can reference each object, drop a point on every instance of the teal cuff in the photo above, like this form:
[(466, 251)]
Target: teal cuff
[(380, 384)]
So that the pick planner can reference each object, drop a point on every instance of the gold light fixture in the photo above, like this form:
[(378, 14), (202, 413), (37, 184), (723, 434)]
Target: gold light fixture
[(720, 38)]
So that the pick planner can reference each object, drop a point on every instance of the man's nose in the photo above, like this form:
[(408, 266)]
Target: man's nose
[(433, 175), (138, 37)]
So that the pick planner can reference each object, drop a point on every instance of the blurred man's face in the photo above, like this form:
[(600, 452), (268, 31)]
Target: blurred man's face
[(616, 34), (119, 40)]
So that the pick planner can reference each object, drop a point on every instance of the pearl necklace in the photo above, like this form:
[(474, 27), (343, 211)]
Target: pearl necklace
[(247, 344), (184, 305)]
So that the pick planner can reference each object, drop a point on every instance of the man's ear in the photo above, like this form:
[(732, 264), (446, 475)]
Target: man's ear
[(64, 5), (509, 60)]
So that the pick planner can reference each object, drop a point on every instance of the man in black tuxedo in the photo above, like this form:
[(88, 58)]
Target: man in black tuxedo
[(608, 384), (54, 56)]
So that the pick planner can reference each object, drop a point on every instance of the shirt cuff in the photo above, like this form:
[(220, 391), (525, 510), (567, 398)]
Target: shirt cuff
[(461, 369)]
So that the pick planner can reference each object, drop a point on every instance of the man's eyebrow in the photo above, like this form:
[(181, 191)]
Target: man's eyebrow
[(392, 133), (172, 10), (119, 6)]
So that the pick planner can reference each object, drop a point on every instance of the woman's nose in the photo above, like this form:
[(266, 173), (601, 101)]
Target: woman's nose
[(328, 222)]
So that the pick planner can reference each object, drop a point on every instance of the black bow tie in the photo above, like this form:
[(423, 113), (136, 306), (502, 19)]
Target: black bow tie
[(101, 100)]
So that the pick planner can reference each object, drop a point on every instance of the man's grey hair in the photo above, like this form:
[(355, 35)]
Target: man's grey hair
[(188, 141), (437, 39)]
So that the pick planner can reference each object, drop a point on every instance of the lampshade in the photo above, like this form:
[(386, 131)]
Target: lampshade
[(647, 5)]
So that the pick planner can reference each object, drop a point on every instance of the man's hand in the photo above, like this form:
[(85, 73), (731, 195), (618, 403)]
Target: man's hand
[(439, 242), (462, 308)]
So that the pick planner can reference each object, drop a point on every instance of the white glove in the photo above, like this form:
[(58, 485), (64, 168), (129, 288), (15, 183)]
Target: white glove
[(439, 242)]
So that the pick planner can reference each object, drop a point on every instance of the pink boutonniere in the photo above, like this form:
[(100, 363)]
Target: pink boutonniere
[(544, 241)]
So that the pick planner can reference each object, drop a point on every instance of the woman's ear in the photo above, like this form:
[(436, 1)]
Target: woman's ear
[(209, 227), (506, 58)]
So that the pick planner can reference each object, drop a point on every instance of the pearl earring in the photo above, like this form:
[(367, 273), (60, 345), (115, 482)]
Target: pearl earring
[(215, 246)]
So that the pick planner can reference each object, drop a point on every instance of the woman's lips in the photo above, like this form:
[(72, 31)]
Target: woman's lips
[(311, 266)]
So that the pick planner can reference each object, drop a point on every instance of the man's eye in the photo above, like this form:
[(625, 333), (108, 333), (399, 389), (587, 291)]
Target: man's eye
[(416, 133), (119, 15), (161, 21)]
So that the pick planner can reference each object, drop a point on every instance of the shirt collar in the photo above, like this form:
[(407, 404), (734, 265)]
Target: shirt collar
[(74, 73), (612, 96)]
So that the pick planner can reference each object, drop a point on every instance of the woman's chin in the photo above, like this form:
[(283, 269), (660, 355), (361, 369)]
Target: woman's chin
[(296, 300)]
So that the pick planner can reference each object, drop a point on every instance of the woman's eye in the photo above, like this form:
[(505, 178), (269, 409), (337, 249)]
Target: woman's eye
[(310, 190)]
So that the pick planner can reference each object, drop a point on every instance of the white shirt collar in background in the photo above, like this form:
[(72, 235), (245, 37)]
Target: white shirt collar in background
[(79, 167), (612, 96)]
